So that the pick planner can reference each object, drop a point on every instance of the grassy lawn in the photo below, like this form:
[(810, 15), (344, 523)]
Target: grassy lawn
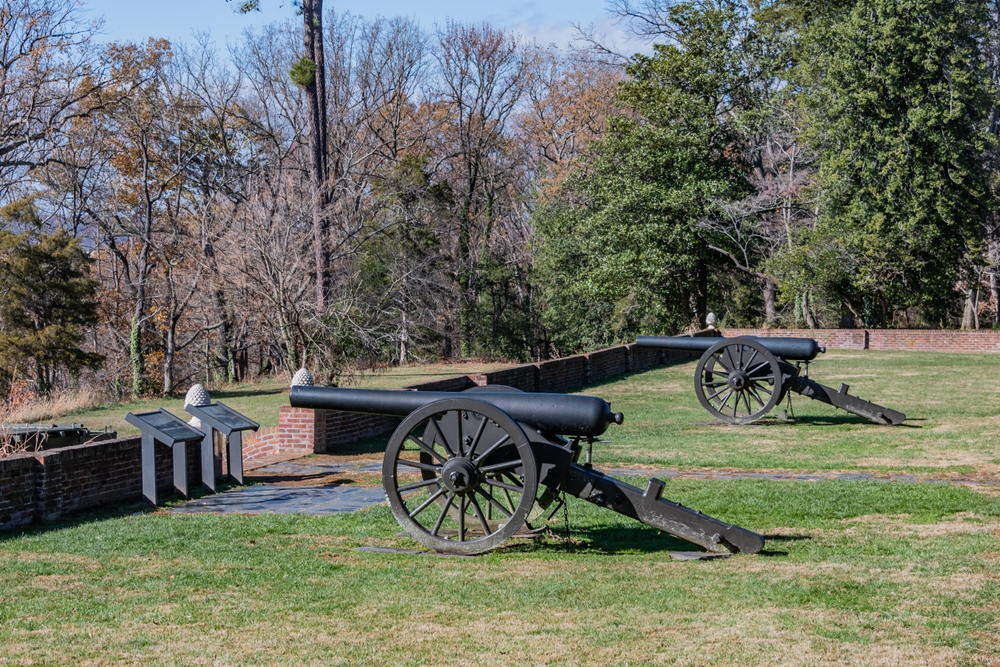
[(952, 404), (260, 401), (854, 574)]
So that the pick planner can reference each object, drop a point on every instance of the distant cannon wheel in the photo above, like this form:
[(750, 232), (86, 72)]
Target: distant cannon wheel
[(492, 389), (460, 476), (738, 381)]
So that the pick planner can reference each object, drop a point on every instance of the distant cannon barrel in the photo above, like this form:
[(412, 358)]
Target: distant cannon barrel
[(794, 349), (551, 413)]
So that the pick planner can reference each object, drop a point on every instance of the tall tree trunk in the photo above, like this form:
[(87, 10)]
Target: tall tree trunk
[(770, 299), (168, 355), (701, 298), (404, 342), (807, 311), (995, 293), (312, 36), (970, 316), (137, 356)]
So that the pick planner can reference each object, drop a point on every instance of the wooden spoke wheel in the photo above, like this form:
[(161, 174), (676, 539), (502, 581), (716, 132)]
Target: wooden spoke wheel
[(738, 380), (460, 476)]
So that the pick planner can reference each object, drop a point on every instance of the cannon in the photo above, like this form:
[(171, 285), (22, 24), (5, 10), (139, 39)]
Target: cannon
[(740, 380), (465, 471)]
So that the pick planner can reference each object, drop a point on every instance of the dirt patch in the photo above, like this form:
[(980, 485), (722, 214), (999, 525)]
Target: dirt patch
[(963, 523), (61, 558)]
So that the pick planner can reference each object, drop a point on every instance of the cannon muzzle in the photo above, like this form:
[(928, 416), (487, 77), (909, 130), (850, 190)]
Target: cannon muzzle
[(793, 349), (560, 414)]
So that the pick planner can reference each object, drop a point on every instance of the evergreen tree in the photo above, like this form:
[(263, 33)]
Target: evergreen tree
[(47, 298), (899, 100), (628, 229)]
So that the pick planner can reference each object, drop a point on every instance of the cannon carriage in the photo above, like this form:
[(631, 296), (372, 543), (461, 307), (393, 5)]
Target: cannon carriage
[(740, 380), (463, 472)]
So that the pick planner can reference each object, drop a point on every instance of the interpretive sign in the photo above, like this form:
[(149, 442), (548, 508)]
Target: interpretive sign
[(162, 426), (222, 418)]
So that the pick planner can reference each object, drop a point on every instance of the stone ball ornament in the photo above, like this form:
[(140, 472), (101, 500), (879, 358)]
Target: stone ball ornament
[(197, 396), (303, 378)]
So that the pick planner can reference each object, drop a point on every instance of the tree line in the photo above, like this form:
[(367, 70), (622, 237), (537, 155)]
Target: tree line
[(337, 190)]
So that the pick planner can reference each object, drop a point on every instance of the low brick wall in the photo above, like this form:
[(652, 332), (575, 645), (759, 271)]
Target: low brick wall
[(51, 484), (17, 491), (341, 428), (524, 377), (926, 340), (604, 364), (923, 340), (563, 374)]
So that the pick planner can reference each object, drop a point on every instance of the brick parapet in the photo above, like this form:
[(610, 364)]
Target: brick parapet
[(53, 483), (923, 340), (523, 377)]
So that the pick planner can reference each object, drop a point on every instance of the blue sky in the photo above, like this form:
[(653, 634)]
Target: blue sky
[(547, 21)]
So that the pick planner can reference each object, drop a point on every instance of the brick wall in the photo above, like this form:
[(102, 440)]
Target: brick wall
[(17, 491), (53, 483), (563, 374), (341, 428), (606, 363), (262, 443), (924, 340), (927, 340), (524, 377)]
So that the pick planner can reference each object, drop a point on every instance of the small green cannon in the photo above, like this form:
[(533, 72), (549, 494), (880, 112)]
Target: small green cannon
[(739, 380), (463, 472)]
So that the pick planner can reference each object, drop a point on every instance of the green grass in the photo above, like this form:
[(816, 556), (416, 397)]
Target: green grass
[(950, 400), (854, 574)]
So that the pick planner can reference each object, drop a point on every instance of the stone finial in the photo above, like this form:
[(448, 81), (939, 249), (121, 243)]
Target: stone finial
[(711, 320), (197, 396), (302, 378)]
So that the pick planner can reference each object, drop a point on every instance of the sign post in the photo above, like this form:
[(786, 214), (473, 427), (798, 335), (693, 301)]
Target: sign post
[(162, 426), (222, 418)]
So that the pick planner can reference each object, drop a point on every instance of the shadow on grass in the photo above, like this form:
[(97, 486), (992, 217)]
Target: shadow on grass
[(613, 540), (373, 445), (165, 497), (303, 480), (245, 392), (75, 520)]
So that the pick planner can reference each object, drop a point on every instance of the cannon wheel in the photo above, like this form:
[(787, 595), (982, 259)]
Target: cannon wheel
[(492, 388), (488, 466), (738, 380)]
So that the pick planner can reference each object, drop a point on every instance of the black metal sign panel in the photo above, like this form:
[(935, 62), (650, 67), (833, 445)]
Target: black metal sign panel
[(222, 417), (164, 426)]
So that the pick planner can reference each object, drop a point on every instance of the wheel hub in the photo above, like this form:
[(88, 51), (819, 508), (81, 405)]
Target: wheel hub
[(460, 475), (738, 380)]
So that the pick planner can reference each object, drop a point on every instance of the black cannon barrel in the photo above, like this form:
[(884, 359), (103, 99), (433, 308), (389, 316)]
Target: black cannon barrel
[(551, 413), (796, 349)]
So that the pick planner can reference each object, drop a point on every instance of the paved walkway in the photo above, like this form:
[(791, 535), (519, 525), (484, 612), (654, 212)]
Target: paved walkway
[(276, 499)]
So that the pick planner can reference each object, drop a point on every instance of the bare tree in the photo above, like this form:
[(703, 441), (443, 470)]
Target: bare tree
[(483, 73), (51, 75)]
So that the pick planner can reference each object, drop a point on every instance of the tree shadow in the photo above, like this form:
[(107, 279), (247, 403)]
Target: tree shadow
[(373, 445), (77, 519), (831, 420), (247, 392)]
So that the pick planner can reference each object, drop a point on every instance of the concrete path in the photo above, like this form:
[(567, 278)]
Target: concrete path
[(275, 499)]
